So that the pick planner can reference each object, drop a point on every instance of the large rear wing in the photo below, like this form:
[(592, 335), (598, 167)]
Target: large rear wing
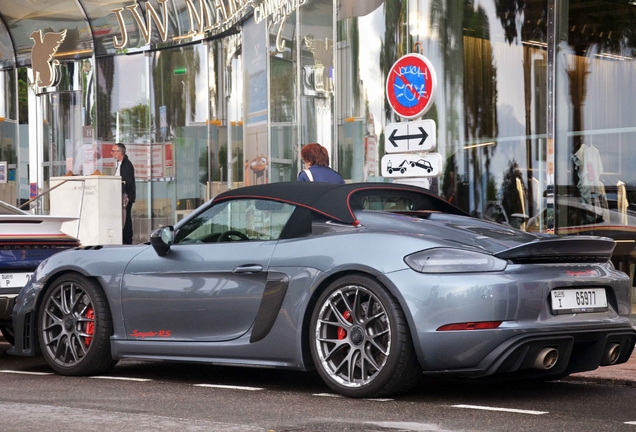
[(561, 249)]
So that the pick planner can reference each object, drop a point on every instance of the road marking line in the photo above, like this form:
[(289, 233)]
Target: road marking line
[(121, 378), (229, 387), (379, 400), (512, 410), (327, 395), (631, 423), (25, 372)]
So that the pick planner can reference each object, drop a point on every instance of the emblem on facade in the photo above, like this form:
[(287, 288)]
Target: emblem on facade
[(45, 69)]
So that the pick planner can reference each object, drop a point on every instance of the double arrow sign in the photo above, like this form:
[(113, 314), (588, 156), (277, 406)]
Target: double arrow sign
[(410, 136), (408, 145)]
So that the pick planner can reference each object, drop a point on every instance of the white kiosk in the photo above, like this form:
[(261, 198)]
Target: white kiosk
[(96, 200)]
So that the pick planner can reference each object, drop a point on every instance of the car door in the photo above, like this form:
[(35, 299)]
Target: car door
[(209, 286)]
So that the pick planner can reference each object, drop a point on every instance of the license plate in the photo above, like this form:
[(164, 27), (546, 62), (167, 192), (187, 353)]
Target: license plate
[(579, 300), (14, 280)]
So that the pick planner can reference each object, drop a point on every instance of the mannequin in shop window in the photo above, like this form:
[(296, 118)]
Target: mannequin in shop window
[(588, 165)]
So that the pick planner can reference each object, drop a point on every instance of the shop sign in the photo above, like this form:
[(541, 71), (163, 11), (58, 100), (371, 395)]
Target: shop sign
[(213, 16), (411, 165), (411, 85), (410, 136), (276, 9)]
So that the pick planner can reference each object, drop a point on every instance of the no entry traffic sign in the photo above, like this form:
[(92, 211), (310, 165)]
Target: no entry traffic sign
[(410, 86)]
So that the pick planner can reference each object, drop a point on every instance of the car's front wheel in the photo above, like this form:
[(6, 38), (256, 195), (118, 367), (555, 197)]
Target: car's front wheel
[(360, 340), (74, 327)]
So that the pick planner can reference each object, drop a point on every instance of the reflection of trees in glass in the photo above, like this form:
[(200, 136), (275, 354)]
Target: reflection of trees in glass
[(174, 84), (349, 30), (533, 19), (23, 96), (282, 82), (354, 40), (446, 17), (596, 31), (133, 122), (105, 74), (203, 167), (395, 44), (480, 94), (222, 165)]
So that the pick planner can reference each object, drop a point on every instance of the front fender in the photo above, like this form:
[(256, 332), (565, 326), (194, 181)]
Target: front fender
[(104, 264)]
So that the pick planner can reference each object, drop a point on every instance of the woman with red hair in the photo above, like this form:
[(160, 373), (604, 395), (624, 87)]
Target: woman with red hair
[(316, 160)]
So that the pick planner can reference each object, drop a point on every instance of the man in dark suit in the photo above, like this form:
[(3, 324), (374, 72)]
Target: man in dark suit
[(126, 170)]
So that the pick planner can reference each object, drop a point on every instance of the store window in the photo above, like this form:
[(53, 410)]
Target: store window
[(490, 111), (596, 124), (9, 150), (179, 166), (490, 108), (255, 105), (317, 88), (124, 115), (370, 38), (283, 68)]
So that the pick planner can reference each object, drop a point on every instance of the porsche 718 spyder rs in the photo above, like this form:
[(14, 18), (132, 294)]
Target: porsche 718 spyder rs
[(373, 285)]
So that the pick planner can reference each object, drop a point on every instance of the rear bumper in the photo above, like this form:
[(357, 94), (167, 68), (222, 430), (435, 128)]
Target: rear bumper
[(578, 351)]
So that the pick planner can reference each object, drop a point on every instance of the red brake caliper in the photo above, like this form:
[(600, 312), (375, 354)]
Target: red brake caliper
[(90, 327), (342, 333)]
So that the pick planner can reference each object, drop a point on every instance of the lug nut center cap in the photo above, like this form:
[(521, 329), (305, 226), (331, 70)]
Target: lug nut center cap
[(356, 335), (69, 323)]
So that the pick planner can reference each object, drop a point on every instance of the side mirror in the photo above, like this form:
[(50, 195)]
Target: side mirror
[(161, 239)]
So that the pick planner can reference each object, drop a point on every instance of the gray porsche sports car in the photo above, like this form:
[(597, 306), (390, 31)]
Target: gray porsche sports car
[(373, 285)]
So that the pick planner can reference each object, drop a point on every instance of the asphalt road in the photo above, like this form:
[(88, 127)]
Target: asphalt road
[(159, 396)]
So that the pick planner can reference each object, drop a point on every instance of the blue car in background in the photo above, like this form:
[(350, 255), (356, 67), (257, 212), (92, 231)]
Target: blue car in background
[(25, 241)]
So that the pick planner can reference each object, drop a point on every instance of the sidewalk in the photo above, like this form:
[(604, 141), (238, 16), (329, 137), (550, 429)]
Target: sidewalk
[(624, 373)]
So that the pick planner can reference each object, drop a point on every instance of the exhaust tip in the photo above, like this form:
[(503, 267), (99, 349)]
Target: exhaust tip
[(546, 359), (611, 355)]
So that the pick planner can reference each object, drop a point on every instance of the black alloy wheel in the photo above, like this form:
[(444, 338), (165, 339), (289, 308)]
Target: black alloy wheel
[(74, 327), (360, 340)]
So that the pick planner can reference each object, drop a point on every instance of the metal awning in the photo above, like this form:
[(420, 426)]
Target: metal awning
[(108, 27)]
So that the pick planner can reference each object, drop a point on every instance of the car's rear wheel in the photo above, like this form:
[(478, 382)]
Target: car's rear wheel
[(360, 340), (7, 333), (74, 327)]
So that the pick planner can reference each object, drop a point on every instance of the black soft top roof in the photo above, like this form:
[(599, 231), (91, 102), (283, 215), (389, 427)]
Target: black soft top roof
[(338, 201)]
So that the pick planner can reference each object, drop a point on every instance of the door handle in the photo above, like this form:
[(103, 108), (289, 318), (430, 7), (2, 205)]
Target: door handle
[(252, 268)]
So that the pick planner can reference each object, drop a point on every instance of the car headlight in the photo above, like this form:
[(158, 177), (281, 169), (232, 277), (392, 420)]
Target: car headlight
[(447, 260)]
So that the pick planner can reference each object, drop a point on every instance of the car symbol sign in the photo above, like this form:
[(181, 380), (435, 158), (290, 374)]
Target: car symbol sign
[(411, 165)]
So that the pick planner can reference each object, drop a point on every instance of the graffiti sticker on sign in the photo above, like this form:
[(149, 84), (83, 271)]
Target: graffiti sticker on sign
[(411, 85)]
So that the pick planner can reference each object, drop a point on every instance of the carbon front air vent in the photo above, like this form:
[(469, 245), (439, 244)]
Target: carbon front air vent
[(98, 247)]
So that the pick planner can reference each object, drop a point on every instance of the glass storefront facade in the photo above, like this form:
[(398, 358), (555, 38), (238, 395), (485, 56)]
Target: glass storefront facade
[(534, 108)]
